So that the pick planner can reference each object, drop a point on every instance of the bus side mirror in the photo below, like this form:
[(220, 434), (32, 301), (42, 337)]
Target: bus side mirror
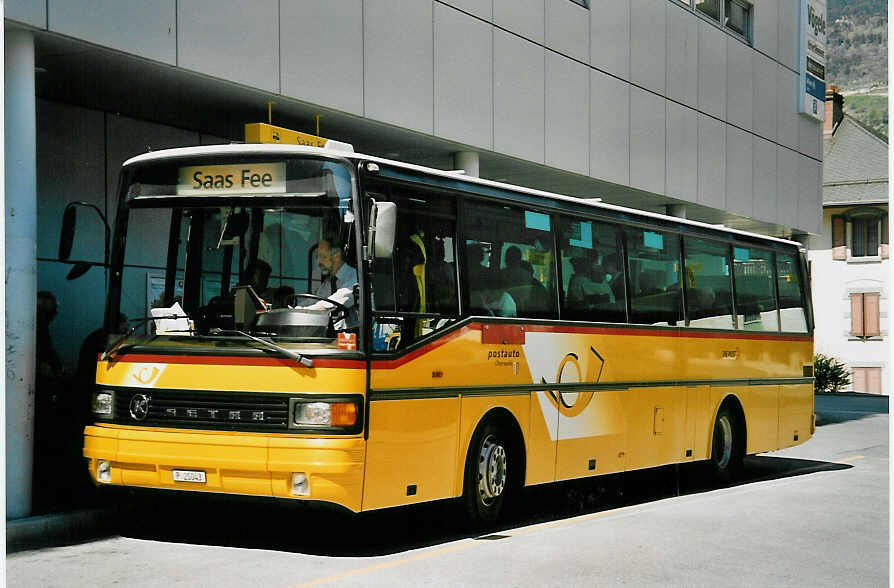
[(383, 220), (66, 236)]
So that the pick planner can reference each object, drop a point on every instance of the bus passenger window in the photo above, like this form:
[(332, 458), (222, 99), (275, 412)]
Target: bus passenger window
[(755, 299), (592, 279), (509, 261), (791, 307), (414, 293), (708, 295), (654, 262)]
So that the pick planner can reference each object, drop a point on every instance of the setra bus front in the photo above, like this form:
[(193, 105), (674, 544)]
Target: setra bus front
[(244, 369)]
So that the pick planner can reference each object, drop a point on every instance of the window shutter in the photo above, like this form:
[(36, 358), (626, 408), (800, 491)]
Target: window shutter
[(874, 380), (883, 248), (839, 249), (856, 315), (871, 326), (858, 380)]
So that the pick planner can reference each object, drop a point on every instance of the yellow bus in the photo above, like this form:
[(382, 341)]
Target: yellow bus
[(335, 327)]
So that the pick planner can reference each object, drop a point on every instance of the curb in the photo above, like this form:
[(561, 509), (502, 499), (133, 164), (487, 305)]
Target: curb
[(59, 528)]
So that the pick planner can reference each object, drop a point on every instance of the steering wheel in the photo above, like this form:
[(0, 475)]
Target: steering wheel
[(341, 307)]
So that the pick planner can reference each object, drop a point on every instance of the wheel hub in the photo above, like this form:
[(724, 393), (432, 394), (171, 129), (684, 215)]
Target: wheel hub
[(491, 470)]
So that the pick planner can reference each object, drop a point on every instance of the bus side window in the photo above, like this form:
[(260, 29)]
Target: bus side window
[(509, 257), (708, 295), (654, 261), (592, 279), (791, 307), (755, 298)]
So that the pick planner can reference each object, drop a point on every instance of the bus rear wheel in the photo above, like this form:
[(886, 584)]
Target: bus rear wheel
[(727, 451), (487, 476)]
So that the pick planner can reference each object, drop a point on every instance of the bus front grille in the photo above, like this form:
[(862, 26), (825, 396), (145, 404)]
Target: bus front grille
[(189, 409)]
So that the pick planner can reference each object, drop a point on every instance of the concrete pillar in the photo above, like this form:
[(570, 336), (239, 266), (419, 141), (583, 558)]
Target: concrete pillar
[(677, 210), (466, 161), (20, 217)]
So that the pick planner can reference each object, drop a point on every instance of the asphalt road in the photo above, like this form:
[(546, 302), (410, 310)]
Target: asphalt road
[(814, 515)]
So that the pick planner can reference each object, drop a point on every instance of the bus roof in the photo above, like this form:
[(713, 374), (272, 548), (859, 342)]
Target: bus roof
[(277, 149)]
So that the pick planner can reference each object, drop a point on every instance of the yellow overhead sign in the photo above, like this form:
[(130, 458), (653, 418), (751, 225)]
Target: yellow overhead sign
[(264, 133)]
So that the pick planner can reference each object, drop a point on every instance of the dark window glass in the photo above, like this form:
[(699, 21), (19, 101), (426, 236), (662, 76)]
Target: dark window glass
[(420, 279), (509, 259), (791, 308), (654, 262), (592, 278), (738, 16), (708, 296), (755, 298), (858, 248), (709, 7)]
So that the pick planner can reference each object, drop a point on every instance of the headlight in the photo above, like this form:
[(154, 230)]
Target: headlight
[(103, 403), (328, 414)]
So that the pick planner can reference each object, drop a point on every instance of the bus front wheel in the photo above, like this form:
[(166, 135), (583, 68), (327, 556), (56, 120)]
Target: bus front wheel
[(487, 481), (727, 451)]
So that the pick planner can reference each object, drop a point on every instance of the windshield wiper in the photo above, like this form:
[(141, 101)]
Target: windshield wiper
[(111, 349), (305, 361)]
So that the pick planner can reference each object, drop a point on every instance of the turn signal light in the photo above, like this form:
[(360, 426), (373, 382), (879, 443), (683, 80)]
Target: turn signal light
[(344, 414)]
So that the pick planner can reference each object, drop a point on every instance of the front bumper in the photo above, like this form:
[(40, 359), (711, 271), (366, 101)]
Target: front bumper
[(234, 463)]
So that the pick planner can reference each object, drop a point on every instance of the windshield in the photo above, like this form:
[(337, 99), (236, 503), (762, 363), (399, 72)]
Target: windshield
[(224, 260)]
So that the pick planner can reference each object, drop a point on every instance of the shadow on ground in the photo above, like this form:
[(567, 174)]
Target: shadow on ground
[(294, 528)]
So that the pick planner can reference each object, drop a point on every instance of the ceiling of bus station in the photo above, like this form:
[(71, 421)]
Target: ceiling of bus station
[(81, 74)]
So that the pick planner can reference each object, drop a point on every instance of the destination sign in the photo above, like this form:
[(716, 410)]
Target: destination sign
[(223, 180)]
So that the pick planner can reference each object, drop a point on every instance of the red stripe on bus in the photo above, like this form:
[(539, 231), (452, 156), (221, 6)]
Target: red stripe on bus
[(233, 360)]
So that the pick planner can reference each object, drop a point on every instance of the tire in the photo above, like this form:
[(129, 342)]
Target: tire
[(727, 447), (488, 475)]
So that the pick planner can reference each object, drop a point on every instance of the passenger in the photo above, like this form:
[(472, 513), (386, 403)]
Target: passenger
[(614, 277), (587, 283)]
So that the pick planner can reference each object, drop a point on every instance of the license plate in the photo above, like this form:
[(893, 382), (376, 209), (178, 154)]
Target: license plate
[(189, 476)]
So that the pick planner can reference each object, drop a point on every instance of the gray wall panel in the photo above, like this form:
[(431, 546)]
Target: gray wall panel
[(523, 17), (810, 137), (682, 55), (787, 187), (648, 44), (682, 152), (764, 181), (518, 97), (739, 83), (739, 171), (786, 113), (147, 28), (711, 70), (240, 43), (568, 29), (787, 22), (764, 97), (70, 166), (810, 207), (711, 162), (567, 114), (766, 29), (610, 36), (647, 140), (609, 128), (480, 8), (463, 78), (30, 12), (397, 45), (323, 65)]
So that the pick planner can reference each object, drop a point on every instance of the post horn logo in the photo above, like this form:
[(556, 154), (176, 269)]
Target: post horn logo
[(139, 406), (573, 403)]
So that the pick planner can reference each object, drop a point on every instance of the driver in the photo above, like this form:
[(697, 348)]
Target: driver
[(338, 279)]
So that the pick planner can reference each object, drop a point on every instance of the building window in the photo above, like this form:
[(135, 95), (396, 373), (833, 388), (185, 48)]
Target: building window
[(867, 235), (735, 15), (584, 3), (865, 315), (867, 379), (738, 17)]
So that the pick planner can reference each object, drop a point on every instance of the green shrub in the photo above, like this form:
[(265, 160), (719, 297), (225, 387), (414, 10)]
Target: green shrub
[(830, 375)]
